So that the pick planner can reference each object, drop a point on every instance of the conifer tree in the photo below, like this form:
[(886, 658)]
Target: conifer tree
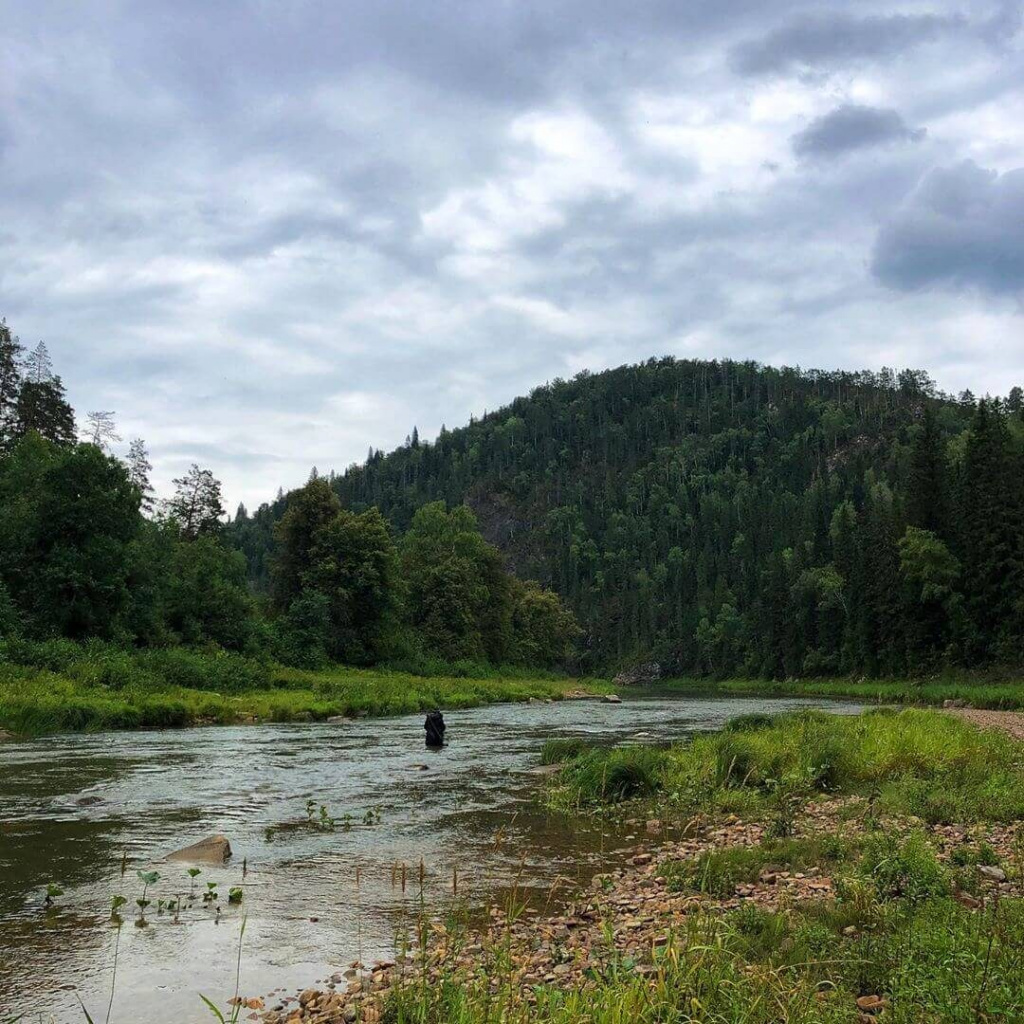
[(926, 484), (197, 505), (39, 366), (100, 430), (10, 385), (992, 535), (43, 407), (139, 468)]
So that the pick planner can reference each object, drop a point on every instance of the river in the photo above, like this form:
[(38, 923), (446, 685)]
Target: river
[(86, 812)]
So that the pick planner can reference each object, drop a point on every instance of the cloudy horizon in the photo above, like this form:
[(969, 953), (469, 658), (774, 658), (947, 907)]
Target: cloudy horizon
[(272, 236)]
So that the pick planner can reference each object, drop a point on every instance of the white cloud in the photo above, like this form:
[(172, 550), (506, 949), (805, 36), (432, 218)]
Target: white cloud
[(274, 242)]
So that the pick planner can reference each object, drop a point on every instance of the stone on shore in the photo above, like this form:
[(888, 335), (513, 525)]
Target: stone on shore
[(612, 698), (212, 850), (992, 873)]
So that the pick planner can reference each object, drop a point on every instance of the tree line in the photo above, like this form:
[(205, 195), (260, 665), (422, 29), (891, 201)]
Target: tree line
[(726, 518), (87, 552)]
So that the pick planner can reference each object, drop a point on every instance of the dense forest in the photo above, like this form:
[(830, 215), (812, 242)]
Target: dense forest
[(717, 517), (88, 554), (724, 517)]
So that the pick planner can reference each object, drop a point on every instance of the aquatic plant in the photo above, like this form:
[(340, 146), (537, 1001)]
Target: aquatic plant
[(193, 874), (116, 903), (235, 894), (147, 878), (53, 892), (211, 892)]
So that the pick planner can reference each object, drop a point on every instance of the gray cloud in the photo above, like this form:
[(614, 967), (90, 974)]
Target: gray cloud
[(961, 227), (822, 40), (275, 240), (852, 126)]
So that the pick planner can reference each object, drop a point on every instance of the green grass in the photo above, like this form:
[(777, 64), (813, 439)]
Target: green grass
[(59, 686), (932, 960), (977, 691), (606, 776), (912, 761), (718, 872), (560, 749)]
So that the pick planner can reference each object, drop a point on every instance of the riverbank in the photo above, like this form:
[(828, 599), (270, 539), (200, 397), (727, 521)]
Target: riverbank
[(978, 692), (830, 869), (86, 690)]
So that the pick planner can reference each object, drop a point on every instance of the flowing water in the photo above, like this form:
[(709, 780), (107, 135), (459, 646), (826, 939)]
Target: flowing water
[(73, 807)]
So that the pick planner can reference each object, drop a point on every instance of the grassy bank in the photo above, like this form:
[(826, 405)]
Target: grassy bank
[(930, 961), (912, 762), (979, 692), (59, 686)]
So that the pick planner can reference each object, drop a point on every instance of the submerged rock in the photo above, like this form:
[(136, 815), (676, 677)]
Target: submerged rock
[(212, 850), (4, 735)]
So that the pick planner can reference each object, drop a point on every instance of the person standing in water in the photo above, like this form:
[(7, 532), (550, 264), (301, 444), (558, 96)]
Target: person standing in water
[(435, 729)]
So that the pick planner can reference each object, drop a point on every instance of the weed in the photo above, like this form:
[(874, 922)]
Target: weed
[(563, 748), (147, 878)]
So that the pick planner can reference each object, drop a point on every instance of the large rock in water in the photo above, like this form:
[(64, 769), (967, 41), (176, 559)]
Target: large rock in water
[(211, 850), (639, 674)]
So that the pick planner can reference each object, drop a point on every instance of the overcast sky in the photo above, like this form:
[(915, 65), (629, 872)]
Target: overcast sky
[(271, 234)]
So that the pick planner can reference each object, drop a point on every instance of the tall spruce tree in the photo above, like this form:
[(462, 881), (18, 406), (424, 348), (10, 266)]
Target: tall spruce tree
[(926, 500), (991, 530), (10, 385), (139, 468), (43, 407)]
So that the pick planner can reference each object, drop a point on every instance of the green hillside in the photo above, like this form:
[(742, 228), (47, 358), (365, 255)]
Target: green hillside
[(726, 517)]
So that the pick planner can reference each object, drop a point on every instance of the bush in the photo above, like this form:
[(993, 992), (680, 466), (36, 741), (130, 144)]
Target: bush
[(903, 868)]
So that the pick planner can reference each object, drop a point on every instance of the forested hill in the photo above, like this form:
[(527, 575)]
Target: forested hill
[(727, 517)]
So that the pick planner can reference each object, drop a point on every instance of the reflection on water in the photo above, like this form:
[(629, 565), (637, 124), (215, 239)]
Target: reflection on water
[(72, 807)]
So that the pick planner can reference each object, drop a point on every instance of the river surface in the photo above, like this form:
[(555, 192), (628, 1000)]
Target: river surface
[(86, 812)]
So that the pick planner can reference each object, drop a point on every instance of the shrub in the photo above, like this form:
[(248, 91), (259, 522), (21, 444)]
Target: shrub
[(903, 868)]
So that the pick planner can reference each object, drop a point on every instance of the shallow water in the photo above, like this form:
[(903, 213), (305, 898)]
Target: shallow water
[(71, 807)]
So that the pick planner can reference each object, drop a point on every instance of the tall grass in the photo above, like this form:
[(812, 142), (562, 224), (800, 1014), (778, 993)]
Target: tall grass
[(934, 961), (610, 776), (913, 761)]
